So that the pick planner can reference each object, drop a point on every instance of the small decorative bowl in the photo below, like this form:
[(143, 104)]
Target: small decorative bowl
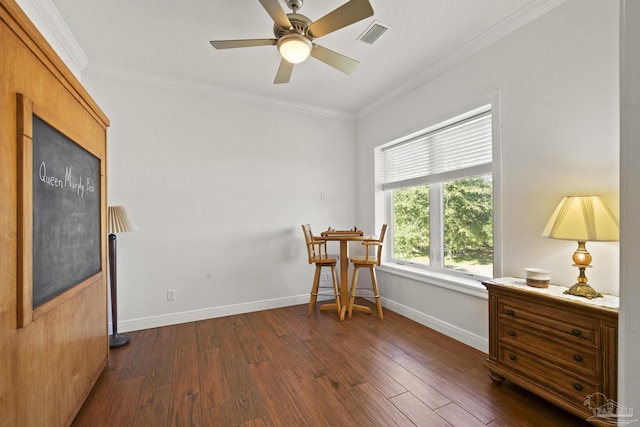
[(537, 277)]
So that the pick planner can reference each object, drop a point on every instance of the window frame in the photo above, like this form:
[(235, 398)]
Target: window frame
[(384, 206)]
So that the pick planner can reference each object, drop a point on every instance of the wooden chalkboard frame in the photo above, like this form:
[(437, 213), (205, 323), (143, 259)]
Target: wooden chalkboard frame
[(26, 312)]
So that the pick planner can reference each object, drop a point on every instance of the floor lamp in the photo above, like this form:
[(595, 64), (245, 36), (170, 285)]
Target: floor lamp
[(119, 222)]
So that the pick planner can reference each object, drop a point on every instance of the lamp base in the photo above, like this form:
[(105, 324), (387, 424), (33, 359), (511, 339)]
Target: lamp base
[(583, 290), (118, 340)]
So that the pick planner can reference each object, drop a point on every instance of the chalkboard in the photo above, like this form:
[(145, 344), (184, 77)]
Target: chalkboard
[(66, 213)]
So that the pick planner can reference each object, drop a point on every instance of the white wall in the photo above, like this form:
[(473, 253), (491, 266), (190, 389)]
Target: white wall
[(218, 189), (629, 344), (557, 81)]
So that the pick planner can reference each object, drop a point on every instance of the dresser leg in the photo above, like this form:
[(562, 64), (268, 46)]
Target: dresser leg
[(497, 379)]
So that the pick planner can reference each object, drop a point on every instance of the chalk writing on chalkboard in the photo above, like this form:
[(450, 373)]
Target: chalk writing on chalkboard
[(66, 213)]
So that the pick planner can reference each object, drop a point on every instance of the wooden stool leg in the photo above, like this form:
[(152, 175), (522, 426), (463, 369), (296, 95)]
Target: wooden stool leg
[(314, 290), (376, 294), (336, 289), (352, 291)]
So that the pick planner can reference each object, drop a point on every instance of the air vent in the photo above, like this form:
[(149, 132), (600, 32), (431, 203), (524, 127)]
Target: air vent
[(373, 32)]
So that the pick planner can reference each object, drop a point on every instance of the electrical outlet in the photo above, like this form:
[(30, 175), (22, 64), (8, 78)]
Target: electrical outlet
[(325, 277), (171, 295)]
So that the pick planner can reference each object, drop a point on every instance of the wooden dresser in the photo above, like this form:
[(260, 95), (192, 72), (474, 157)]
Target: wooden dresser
[(559, 347)]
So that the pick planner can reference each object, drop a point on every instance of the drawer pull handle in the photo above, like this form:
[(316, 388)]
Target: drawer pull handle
[(512, 357), (576, 332), (510, 312), (577, 358), (577, 386), (512, 333)]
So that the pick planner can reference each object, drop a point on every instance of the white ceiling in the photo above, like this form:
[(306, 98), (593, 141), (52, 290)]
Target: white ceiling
[(170, 38)]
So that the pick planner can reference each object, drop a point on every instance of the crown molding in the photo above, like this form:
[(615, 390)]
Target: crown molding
[(139, 77), (48, 20), (519, 19)]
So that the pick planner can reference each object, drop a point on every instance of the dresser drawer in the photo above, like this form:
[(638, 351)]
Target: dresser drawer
[(577, 329), (557, 380), (583, 360)]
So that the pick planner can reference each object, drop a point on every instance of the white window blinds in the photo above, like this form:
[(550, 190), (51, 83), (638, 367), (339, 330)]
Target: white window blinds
[(459, 150)]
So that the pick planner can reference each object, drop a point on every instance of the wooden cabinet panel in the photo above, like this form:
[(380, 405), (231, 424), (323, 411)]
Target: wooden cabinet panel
[(52, 355), (558, 347)]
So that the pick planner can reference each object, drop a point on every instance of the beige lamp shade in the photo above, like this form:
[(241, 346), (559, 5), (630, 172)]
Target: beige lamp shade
[(582, 219), (119, 220)]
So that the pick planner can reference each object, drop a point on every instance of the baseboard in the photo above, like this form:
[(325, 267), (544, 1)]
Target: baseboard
[(208, 313), (473, 340), (464, 336)]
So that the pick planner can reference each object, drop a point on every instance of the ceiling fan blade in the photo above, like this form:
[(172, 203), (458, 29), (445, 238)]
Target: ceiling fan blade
[(229, 44), (347, 14), (334, 59), (284, 72), (274, 9)]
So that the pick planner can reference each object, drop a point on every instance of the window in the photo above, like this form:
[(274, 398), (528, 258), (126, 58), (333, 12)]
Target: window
[(438, 191)]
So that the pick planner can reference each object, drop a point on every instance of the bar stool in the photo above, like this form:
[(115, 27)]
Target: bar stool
[(317, 254), (370, 260)]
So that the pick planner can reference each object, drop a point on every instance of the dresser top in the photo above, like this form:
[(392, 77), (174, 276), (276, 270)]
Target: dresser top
[(606, 301)]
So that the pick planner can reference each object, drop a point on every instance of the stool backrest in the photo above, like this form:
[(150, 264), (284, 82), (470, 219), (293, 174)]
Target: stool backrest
[(375, 246), (316, 249)]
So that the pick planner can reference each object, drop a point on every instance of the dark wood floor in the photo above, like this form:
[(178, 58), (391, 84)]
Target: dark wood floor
[(282, 368)]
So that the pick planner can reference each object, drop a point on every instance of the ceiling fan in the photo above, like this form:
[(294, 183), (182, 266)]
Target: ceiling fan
[(294, 35)]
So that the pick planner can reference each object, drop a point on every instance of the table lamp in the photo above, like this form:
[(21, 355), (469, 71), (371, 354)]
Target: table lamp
[(119, 222), (583, 219)]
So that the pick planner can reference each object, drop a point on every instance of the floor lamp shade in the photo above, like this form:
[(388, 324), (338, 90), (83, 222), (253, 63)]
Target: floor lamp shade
[(118, 222)]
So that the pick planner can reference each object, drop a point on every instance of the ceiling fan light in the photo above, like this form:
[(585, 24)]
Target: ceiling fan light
[(294, 48)]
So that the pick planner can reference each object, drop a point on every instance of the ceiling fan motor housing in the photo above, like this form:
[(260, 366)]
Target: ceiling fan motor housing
[(299, 22)]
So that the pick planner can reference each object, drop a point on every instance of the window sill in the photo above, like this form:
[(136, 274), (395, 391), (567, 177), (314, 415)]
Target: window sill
[(452, 282)]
